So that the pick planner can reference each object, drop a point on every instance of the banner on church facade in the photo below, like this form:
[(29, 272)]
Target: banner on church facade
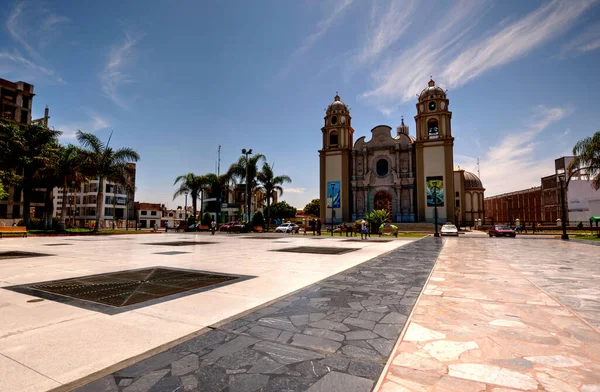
[(333, 194), (435, 186)]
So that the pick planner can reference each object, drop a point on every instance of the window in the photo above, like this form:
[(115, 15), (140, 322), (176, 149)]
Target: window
[(457, 194), (457, 203), (382, 167), (26, 102), (333, 138), (143, 212), (153, 213), (432, 126), (108, 187)]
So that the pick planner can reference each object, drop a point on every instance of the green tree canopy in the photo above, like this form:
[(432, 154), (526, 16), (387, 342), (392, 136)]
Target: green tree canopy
[(376, 218), (313, 208), (102, 161), (587, 158), (281, 210), (270, 183), (237, 172), (3, 193), (191, 184)]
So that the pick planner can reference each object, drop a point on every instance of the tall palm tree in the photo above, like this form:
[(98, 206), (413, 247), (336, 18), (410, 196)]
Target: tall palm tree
[(24, 152), (68, 168), (587, 159), (237, 171), (192, 184), (271, 184), (105, 163)]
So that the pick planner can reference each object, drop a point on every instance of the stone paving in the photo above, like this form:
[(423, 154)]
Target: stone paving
[(483, 325), (335, 335)]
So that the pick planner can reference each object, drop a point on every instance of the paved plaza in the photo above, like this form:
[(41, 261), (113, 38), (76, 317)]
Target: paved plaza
[(456, 314)]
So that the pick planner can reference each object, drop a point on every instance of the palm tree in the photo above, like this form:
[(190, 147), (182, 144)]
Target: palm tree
[(271, 184), (103, 162), (192, 184), (587, 158), (237, 171), (24, 152), (68, 167)]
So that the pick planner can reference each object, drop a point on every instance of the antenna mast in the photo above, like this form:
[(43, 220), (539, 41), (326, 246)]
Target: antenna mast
[(478, 174), (219, 161)]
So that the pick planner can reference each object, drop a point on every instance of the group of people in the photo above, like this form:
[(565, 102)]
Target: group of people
[(534, 226), (315, 226)]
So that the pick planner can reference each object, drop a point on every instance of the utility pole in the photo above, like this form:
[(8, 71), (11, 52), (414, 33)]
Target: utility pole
[(220, 196)]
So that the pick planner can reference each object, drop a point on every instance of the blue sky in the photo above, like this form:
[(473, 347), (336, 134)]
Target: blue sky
[(175, 82)]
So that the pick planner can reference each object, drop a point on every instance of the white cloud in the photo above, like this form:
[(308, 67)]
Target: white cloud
[(22, 61), (113, 75), (95, 123), (294, 190), (450, 52), (388, 23), (516, 153), (588, 41), (322, 27)]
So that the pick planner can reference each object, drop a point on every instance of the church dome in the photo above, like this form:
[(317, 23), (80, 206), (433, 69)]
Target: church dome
[(337, 104), (472, 181), (432, 90)]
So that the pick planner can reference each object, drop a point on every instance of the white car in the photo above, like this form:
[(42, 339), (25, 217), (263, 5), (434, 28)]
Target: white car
[(449, 229), (287, 228)]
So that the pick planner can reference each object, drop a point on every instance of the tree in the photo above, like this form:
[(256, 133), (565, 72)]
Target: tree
[(313, 208), (105, 163), (587, 159), (376, 218), (206, 219), (25, 152), (270, 184), (258, 220), (281, 210), (192, 184), (3, 193), (237, 171), (68, 168)]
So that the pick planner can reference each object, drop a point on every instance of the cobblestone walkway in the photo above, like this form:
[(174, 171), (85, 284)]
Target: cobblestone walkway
[(332, 336)]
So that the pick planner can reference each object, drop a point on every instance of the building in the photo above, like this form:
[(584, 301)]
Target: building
[(410, 177), (233, 205), (543, 203), (16, 103), (149, 214), (81, 203)]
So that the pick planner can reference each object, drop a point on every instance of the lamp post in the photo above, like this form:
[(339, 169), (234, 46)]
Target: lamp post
[(559, 179), (246, 153), (332, 188), (435, 211), (185, 211)]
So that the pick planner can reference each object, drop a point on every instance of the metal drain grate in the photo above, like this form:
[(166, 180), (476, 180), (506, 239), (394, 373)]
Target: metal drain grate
[(359, 240), (16, 254), (56, 244), (180, 243), (171, 253), (123, 288), (317, 249)]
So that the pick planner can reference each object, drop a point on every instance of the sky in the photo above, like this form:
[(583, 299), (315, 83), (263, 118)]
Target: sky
[(176, 80)]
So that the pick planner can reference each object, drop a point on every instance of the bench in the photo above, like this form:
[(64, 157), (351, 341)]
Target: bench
[(13, 230), (388, 231)]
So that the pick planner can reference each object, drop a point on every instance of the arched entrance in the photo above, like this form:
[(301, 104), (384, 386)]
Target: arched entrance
[(383, 201)]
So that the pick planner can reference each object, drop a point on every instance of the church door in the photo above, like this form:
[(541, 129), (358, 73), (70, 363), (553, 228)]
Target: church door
[(383, 201)]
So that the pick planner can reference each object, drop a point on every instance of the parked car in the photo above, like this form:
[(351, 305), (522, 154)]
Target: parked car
[(287, 228), (192, 227), (502, 231), (182, 227), (238, 227), (449, 229)]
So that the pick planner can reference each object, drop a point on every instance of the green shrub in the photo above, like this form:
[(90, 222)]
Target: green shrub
[(206, 219), (258, 219)]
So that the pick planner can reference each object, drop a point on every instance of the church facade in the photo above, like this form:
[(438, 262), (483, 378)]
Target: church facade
[(410, 177)]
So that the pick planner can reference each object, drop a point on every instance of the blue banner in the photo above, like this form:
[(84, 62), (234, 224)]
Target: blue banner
[(333, 194)]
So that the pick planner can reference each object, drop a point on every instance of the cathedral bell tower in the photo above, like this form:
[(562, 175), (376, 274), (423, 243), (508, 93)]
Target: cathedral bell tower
[(435, 157), (335, 161)]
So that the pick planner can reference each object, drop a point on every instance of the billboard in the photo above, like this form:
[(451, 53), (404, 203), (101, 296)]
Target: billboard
[(435, 185), (333, 194)]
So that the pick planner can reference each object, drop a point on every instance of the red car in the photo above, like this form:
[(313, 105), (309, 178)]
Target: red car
[(226, 226), (502, 231)]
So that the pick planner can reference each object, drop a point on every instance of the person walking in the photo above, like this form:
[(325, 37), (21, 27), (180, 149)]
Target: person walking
[(319, 224), (213, 226), (363, 230), (166, 227)]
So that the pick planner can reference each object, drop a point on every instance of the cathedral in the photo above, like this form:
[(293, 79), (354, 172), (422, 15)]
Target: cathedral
[(409, 176)]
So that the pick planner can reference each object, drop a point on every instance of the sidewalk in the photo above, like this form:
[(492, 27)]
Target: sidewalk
[(482, 326)]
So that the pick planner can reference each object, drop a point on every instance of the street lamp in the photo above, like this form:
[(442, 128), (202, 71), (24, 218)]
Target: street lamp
[(185, 211), (560, 179), (332, 189), (435, 211), (246, 153)]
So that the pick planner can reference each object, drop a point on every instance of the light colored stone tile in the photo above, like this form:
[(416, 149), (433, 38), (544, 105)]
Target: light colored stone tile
[(417, 333), (445, 350), (16, 377), (418, 362), (507, 323), (492, 375), (555, 360), (552, 384)]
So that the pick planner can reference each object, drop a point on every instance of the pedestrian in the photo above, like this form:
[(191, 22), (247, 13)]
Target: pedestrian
[(166, 226), (319, 224), (532, 228), (363, 230), (14, 224), (213, 227), (312, 225)]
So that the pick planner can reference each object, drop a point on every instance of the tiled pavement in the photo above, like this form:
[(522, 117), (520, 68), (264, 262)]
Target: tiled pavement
[(332, 336)]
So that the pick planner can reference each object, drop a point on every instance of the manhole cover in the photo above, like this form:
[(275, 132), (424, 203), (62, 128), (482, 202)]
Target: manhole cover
[(260, 238), (15, 254), (359, 240), (123, 288), (317, 249), (56, 244), (180, 243), (171, 253)]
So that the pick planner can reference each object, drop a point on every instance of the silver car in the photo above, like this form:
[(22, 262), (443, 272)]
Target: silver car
[(287, 228), (449, 229)]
